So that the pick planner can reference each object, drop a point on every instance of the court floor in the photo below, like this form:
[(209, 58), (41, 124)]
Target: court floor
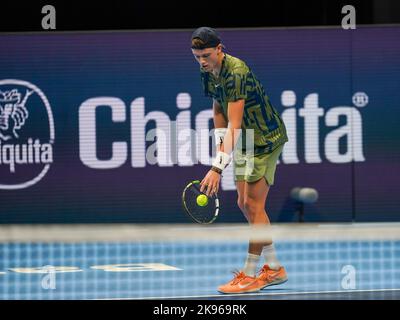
[(193, 270)]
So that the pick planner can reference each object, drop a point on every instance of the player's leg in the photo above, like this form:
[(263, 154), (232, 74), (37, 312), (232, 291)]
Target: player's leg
[(255, 197), (243, 281), (252, 259), (272, 272), (240, 185), (255, 248), (251, 201)]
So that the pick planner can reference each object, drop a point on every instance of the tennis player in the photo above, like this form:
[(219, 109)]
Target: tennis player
[(240, 104)]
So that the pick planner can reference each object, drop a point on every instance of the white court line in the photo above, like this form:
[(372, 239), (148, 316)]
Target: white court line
[(256, 294)]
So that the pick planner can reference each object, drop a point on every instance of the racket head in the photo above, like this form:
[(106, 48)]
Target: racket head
[(201, 214)]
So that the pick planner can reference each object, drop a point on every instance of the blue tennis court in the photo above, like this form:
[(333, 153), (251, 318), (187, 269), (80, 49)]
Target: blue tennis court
[(193, 269)]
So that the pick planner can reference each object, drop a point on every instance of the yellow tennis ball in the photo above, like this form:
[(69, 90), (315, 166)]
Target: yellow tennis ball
[(202, 200)]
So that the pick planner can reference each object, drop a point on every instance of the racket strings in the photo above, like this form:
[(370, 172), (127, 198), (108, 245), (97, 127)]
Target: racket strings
[(203, 214)]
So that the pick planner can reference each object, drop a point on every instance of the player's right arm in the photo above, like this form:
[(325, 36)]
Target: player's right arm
[(219, 118)]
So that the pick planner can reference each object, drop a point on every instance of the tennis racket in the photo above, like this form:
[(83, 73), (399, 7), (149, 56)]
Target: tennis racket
[(203, 209)]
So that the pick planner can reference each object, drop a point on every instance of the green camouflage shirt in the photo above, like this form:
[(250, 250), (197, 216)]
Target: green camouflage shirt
[(236, 81)]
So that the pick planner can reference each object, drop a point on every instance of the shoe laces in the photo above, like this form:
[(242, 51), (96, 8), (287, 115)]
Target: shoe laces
[(264, 270), (238, 276)]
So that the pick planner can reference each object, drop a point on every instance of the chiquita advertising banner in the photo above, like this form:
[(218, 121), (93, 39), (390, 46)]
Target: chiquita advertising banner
[(111, 126)]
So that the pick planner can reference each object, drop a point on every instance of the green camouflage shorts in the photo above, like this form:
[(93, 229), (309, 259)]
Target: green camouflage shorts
[(252, 168)]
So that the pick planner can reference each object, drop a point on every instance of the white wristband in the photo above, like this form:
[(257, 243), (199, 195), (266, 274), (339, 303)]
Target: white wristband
[(222, 160), (219, 134)]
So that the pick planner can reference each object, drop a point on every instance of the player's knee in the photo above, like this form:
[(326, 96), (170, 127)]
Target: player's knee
[(250, 206), (254, 211)]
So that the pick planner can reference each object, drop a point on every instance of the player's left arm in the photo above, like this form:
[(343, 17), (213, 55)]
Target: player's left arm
[(236, 95), (210, 183)]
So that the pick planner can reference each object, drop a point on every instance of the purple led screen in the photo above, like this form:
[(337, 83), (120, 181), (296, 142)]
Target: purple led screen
[(78, 109)]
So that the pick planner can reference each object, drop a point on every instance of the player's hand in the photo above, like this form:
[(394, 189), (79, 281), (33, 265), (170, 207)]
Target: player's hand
[(210, 184)]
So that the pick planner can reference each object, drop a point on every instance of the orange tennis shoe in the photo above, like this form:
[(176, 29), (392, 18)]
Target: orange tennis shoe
[(241, 283), (269, 277)]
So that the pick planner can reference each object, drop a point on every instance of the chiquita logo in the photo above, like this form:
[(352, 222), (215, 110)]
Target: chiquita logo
[(26, 134)]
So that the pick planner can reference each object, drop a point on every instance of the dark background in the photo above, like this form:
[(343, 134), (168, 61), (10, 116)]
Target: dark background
[(19, 16)]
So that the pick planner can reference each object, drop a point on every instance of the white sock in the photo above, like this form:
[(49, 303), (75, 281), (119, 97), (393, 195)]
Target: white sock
[(250, 267), (268, 252)]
